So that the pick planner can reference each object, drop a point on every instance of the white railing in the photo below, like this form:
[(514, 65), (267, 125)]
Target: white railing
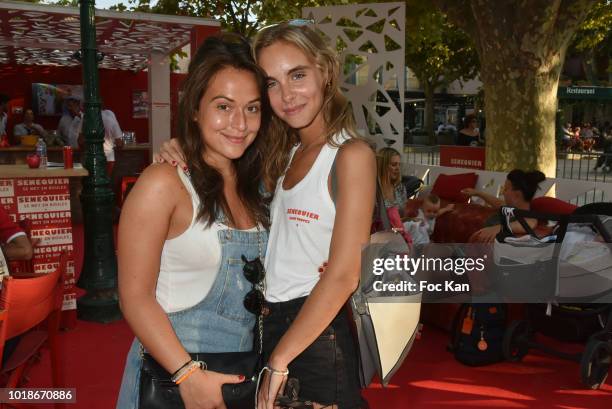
[(578, 192)]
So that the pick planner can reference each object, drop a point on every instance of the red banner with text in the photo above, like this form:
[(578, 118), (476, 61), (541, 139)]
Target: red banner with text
[(44, 205), (469, 157)]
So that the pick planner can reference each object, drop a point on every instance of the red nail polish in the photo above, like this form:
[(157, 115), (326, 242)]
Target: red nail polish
[(320, 270), (241, 378), (173, 163)]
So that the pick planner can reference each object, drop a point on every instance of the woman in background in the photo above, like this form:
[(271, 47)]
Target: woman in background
[(520, 187)]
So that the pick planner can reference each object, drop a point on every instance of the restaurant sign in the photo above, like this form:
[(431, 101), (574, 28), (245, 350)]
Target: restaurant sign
[(585, 93)]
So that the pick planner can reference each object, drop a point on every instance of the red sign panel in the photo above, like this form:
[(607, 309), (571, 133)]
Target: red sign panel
[(45, 202), (462, 157)]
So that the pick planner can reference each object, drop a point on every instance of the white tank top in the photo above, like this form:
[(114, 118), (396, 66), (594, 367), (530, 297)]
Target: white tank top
[(189, 262), (300, 235)]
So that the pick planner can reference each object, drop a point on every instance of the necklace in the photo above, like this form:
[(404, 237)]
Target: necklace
[(300, 150)]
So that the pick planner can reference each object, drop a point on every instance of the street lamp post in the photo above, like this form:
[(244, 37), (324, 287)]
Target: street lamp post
[(99, 274)]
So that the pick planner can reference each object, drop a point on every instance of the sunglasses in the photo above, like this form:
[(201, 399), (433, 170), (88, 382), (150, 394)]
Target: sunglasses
[(255, 273), (296, 22)]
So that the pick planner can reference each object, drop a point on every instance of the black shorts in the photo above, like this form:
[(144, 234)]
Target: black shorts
[(327, 370)]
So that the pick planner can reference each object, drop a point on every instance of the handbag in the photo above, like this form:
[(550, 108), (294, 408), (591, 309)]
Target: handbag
[(386, 326), (157, 391)]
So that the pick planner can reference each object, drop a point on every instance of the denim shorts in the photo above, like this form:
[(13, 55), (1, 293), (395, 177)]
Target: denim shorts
[(327, 371)]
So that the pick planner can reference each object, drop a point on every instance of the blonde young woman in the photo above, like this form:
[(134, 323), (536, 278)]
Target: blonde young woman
[(389, 172), (306, 331)]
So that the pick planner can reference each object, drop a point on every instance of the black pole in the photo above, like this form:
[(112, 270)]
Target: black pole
[(99, 274)]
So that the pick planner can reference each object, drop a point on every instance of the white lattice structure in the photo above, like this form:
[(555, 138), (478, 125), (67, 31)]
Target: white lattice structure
[(370, 40)]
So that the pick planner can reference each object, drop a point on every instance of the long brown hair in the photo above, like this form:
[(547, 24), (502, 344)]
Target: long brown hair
[(215, 54), (337, 112)]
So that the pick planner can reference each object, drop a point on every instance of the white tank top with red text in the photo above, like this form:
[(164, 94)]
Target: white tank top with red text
[(301, 230)]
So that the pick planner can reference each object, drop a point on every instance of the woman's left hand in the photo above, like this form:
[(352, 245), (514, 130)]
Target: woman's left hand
[(271, 386)]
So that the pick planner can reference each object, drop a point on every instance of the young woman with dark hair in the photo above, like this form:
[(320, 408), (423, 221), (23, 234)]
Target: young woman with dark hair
[(183, 239), (518, 190)]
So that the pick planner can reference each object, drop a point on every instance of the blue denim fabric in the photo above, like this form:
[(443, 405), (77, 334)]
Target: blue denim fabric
[(219, 323)]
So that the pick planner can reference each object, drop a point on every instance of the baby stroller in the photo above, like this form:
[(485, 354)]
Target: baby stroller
[(567, 278)]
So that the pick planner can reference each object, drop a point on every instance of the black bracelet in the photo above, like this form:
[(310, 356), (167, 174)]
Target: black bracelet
[(182, 366)]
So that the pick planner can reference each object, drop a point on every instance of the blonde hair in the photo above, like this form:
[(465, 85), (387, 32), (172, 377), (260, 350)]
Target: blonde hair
[(383, 160), (337, 112)]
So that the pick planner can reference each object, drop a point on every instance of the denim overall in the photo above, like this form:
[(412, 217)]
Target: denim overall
[(218, 323)]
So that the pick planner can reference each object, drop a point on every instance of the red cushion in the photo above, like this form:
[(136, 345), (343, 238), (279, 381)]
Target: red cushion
[(411, 209), (552, 205), (449, 187)]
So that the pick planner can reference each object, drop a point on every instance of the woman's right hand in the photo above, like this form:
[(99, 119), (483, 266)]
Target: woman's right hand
[(202, 390), (171, 153)]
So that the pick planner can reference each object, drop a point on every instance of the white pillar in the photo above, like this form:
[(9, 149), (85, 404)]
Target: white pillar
[(159, 100)]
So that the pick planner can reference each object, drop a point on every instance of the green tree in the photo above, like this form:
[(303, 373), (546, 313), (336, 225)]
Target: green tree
[(593, 40), (437, 52), (521, 46), (240, 16)]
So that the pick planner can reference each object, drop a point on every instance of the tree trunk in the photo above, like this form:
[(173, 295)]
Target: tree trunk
[(520, 121), (428, 88), (521, 45)]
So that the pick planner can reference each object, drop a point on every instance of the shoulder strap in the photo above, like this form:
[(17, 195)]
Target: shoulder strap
[(380, 202)]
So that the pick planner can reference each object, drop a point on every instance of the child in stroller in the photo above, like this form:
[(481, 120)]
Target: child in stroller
[(581, 309)]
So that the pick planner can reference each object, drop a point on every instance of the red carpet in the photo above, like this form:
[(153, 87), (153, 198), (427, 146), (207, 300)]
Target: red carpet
[(430, 378)]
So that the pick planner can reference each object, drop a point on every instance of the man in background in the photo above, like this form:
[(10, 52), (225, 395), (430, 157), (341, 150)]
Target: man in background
[(28, 127), (70, 124), (13, 240)]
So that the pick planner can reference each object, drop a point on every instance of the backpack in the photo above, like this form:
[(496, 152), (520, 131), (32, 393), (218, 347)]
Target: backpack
[(477, 334)]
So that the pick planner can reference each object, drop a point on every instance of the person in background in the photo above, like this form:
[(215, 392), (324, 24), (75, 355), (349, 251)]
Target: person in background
[(69, 125), (113, 136), (388, 162), (604, 160), (4, 99), (13, 240), (567, 136), (28, 127), (518, 191), (422, 226), (14, 245), (469, 135)]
